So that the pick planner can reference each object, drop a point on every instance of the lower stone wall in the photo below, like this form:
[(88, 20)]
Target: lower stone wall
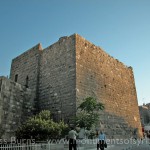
[(115, 126), (16, 104)]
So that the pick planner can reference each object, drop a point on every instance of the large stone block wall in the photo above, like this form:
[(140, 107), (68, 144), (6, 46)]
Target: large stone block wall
[(105, 78), (16, 104), (57, 78), (27, 65), (72, 69)]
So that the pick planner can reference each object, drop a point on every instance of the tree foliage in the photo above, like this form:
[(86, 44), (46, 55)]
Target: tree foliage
[(90, 105), (87, 115), (41, 127)]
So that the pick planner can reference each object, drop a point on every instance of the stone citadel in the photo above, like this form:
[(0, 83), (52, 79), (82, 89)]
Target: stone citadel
[(59, 77)]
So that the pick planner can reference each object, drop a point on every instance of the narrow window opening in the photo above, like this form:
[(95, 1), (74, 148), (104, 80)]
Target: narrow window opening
[(16, 77), (27, 82)]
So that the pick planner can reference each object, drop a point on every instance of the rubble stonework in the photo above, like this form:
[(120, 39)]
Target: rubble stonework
[(71, 69)]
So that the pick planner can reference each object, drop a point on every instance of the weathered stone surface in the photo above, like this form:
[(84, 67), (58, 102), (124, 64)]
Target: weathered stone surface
[(25, 69), (71, 69), (16, 104), (57, 77), (108, 80)]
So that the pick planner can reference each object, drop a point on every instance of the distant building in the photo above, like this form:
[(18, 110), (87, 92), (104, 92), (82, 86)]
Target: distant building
[(145, 114)]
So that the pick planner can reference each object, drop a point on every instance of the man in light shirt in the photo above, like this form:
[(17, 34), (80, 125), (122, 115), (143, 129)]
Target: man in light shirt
[(72, 139), (102, 141)]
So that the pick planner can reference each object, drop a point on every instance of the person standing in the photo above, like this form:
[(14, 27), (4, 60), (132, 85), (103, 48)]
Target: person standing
[(102, 141), (148, 135), (135, 133), (72, 139)]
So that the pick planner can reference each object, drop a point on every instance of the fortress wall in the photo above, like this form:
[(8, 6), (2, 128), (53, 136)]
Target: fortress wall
[(16, 104), (108, 80), (57, 77), (72, 69), (27, 65)]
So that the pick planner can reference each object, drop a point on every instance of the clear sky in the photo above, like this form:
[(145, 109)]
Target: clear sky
[(120, 27)]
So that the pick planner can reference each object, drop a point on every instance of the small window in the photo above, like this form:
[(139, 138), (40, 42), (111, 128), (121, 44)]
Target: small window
[(27, 82), (16, 77)]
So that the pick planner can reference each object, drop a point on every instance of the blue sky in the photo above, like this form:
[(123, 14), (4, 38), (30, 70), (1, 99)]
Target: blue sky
[(120, 27)]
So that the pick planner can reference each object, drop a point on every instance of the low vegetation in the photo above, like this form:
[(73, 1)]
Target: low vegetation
[(41, 127)]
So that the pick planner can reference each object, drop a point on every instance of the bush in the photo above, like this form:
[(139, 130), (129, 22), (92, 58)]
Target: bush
[(41, 127)]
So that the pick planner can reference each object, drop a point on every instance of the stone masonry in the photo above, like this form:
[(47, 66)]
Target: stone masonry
[(63, 74), (57, 88), (25, 69), (110, 81), (16, 104)]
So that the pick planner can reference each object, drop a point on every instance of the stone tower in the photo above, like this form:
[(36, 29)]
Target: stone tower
[(73, 68)]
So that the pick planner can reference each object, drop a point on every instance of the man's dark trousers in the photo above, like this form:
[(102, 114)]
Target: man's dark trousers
[(72, 144)]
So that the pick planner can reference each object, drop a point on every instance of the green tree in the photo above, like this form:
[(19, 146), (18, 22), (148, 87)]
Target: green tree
[(41, 127), (87, 115)]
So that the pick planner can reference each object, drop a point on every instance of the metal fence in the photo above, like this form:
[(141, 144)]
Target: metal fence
[(59, 145), (47, 146)]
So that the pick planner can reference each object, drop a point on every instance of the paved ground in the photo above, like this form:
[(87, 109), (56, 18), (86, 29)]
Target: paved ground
[(110, 147), (143, 146), (123, 147), (132, 145)]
